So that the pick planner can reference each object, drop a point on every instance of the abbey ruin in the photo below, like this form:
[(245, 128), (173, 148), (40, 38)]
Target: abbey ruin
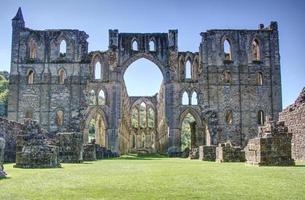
[(228, 86)]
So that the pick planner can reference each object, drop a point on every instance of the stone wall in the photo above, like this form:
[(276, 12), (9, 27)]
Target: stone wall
[(272, 147), (70, 147), (207, 153), (89, 152), (294, 118), (228, 153), (9, 131), (2, 146), (33, 149)]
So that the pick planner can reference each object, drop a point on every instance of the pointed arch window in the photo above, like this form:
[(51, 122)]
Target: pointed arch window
[(143, 121), (33, 49), (29, 114), (135, 118), (185, 98), (194, 100), (151, 118), (188, 70), (92, 98), (97, 70), (133, 141), (152, 45), (256, 55), (227, 76), (59, 120), (261, 117), (135, 45), (30, 77), (143, 140), (62, 48), (227, 50), (259, 78), (229, 116), (61, 76), (101, 98)]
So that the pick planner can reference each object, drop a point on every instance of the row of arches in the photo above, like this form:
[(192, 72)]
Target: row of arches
[(99, 99), (61, 76), (142, 116), (227, 77), (142, 140), (135, 45), (229, 117), (33, 49), (189, 98), (188, 67), (255, 49)]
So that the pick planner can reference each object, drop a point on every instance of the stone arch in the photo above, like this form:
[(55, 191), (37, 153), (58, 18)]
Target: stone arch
[(152, 44), (30, 76), (91, 113), (147, 56), (232, 45), (194, 113), (259, 40), (62, 74)]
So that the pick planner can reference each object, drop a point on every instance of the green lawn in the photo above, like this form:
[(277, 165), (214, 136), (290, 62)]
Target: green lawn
[(154, 178)]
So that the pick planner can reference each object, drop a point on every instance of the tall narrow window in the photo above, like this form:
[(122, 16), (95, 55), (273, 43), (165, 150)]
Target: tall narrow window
[(133, 142), (92, 98), (152, 46), (151, 118), (33, 49), (194, 100), (97, 71), (227, 50), (135, 118), (143, 115), (188, 70), (227, 76), (143, 140), (61, 76), (261, 117), (29, 114), (135, 45), (185, 99), (30, 78), (59, 120), (259, 78), (255, 50), (101, 98), (63, 48), (229, 116)]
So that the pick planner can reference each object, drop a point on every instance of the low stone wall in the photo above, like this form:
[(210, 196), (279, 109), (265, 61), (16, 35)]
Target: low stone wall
[(194, 153), (207, 153), (294, 118), (32, 148), (89, 152), (228, 153), (70, 147), (273, 147), (9, 131)]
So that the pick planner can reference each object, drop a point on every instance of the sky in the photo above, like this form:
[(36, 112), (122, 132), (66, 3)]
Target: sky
[(190, 17)]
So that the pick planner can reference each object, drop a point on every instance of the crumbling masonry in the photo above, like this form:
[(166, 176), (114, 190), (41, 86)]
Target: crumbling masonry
[(234, 79)]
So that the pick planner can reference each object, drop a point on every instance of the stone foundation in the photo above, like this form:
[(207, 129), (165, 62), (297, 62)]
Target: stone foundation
[(273, 147), (89, 152), (194, 153), (70, 147), (207, 153), (33, 150), (228, 153)]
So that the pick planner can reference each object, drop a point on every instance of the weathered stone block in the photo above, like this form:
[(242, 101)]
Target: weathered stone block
[(272, 147), (70, 147), (89, 152), (228, 153), (194, 153), (207, 153)]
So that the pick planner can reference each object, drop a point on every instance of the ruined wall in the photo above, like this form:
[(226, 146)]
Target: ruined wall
[(215, 83), (9, 131), (294, 118)]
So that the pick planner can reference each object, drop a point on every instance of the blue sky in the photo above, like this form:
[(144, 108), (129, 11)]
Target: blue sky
[(190, 17)]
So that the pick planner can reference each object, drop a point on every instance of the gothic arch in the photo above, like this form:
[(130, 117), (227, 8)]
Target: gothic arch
[(148, 56), (194, 113)]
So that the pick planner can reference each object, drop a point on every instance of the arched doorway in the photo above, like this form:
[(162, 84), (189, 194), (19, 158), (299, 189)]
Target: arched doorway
[(95, 129), (188, 133)]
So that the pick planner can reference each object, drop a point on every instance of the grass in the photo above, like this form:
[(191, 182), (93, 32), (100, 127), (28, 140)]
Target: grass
[(131, 177)]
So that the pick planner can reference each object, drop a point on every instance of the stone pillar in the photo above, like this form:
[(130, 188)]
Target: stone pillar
[(174, 141), (2, 146)]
